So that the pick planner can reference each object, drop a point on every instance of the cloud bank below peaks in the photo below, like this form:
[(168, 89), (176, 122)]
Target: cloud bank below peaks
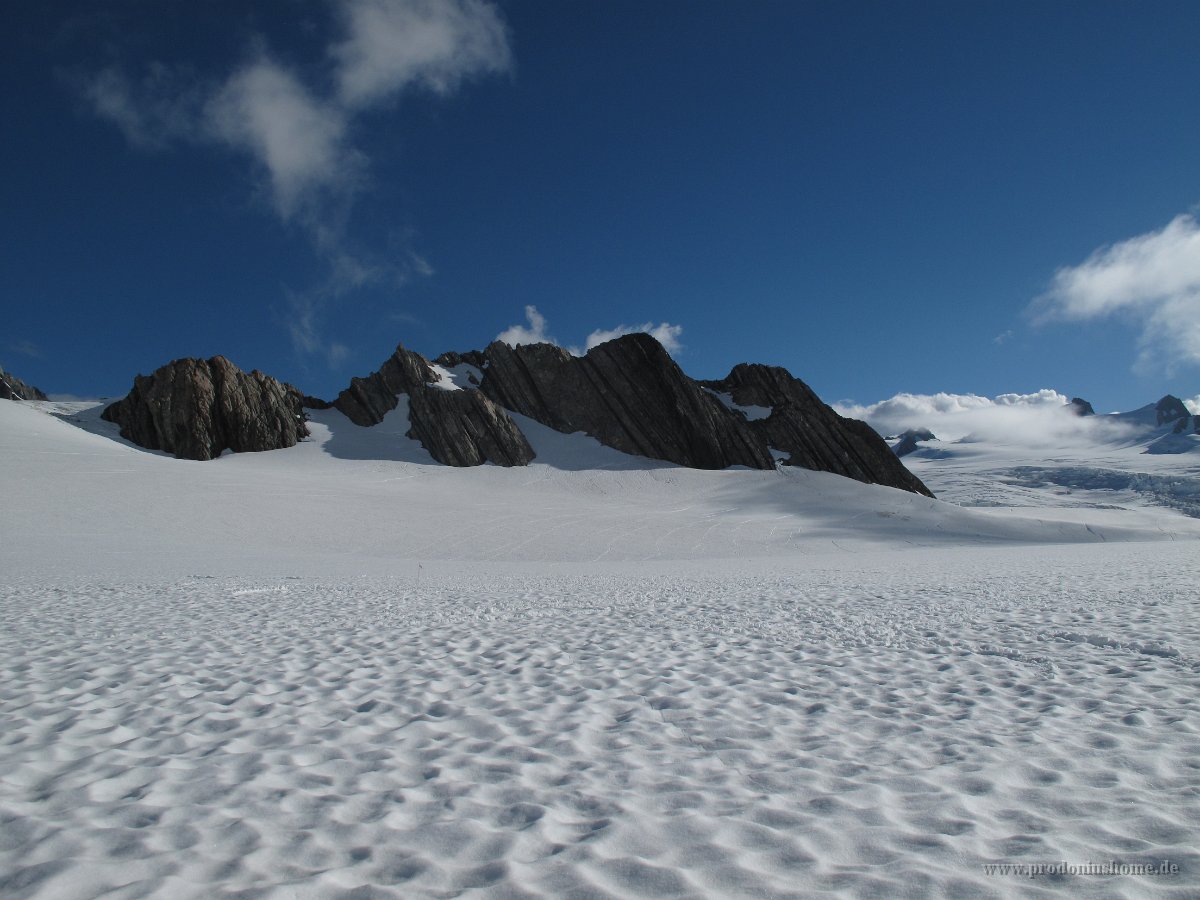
[(1153, 278), (1040, 419), (534, 331)]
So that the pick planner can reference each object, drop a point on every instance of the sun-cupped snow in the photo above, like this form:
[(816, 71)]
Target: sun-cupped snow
[(343, 669)]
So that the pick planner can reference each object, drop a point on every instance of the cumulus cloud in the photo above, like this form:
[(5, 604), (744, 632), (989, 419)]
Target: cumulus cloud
[(535, 332), (1038, 419), (1153, 278), (295, 127), (1193, 405)]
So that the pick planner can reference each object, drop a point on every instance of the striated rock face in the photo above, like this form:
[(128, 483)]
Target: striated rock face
[(13, 388), (810, 432), (458, 427), (197, 409), (465, 428), (627, 393), (369, 399)]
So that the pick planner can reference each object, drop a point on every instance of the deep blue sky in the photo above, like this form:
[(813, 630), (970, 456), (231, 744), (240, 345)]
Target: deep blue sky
[(870, 194)]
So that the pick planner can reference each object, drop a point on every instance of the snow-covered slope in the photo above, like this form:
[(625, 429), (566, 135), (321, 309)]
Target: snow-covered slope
[(369, 499), (1121, 461), (342, 670)]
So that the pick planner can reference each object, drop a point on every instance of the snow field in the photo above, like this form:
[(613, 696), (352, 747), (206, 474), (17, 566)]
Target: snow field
[(878, 729)]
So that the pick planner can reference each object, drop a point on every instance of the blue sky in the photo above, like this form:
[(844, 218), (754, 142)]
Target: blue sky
[(926, 197)]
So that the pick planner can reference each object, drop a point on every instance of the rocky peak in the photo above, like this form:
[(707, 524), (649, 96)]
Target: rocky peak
[(627, 393), (1081, 407), (1169, 409), (13, 388), (458, 427), (910, 439), (812, 434), (197, 409), (367, 400)]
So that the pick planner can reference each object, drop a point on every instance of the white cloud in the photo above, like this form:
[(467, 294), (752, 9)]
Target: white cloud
[(1038, 419), (1154, 278), (664, 332), (436, 44), (534, 332), (1193, 405), (299, 140)]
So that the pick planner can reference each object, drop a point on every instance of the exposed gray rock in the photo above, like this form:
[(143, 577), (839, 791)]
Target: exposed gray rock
[(457, 427), (1169, 409), (1081, 407), (450, 359), (810, 432), (197, 409), (13, 388), (465, 428), (910, 439), (369, 399), (627, 393)]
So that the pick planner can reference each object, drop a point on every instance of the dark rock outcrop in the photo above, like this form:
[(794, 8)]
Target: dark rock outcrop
[(627, 393), (13, 388), (459, 427), (810, 432), (1081, 407), (450, 359), (910, 439), (197, 409), (1169, 409), (369, 399), (465, 428)]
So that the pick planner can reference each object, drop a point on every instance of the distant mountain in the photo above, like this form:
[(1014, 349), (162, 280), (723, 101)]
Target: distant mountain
[(1147, 456), (627, 393), (13, 388), (907, 442)]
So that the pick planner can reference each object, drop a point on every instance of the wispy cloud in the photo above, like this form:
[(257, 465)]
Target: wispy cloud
[(535, 331), (432, 44), (26, 348), (1040, 419), (297, 139), (1153, 278), (295, 127)]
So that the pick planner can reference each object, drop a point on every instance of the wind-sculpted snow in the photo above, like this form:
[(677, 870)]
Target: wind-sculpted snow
[(331, 671), (878, 729)]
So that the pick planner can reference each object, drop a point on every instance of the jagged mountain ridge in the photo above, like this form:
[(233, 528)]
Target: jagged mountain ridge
[(13, 388), (627, 393)]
